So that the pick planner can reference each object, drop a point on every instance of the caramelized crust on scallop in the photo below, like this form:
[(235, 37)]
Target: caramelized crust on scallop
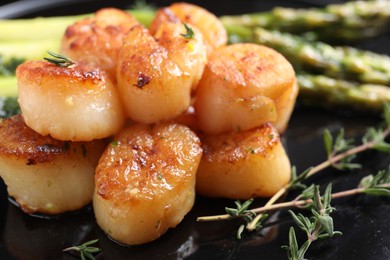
[(260, 69), (209, 25), (97, 39), (18, 140), (45, 175), (145, 181), (147, 159), (234, 147), (157, 73), (242, 87), (38, 72), (75, 103), (242, 165)]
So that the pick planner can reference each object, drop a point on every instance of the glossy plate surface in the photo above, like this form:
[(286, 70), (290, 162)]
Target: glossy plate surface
[(363, 220)]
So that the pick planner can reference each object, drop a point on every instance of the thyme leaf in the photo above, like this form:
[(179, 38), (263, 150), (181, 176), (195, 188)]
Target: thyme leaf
[(318, 226), (85, 250), (241, 211), (59, 60), (189, 32)]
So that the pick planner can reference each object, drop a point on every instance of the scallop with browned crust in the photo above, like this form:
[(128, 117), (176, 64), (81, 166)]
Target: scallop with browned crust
[(145, 181), (242, 165), (212, 29), (244, 86), (45, 175), (157, 73), (97, 39), (74, 103)]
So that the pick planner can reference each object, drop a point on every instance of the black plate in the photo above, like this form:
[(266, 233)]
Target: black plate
[(362, 219)]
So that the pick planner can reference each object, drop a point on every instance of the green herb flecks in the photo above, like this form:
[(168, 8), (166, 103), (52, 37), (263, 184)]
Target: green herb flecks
[(189, 32)]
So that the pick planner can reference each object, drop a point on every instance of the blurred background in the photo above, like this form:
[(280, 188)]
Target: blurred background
[(31, 8)]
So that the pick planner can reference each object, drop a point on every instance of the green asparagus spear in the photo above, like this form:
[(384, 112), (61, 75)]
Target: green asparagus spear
[(37, 28), (28, 50), (335, 93), (337, 62), (49, 28), (351, 21), (8, 86)]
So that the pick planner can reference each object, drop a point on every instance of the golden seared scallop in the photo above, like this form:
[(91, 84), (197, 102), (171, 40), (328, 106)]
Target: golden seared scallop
[(97, 39), (242, 87), (212, 29), (145, 181), (156, 74), (242, 165), (45, 175), (75, 103)]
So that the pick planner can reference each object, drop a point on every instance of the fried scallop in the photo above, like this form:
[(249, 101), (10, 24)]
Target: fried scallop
[(145, 181), (243, 165), (157, 73), (97, 39), (75, 103), (45, 175), (212, 29), (244, 86)]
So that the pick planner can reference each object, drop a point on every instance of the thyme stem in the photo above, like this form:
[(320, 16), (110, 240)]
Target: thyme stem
[(270, 202), (293, 203), (270, 205), (341, 156), (59, 60), (336, 158)]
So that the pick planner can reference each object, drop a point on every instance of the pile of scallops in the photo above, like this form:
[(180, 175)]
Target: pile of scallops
[(139, 120)]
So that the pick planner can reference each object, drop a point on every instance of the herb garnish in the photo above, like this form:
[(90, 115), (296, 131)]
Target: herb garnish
[(340, 152), (189, 32), (241, 211), (318, 226), (59, 60), (86, 251)]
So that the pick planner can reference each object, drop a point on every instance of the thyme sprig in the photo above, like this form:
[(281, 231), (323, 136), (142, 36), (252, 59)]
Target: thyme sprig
[(338, 146), (59, 60), (378, 185), (241, 211), (86, 250), (318, 226), (340, 152)]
